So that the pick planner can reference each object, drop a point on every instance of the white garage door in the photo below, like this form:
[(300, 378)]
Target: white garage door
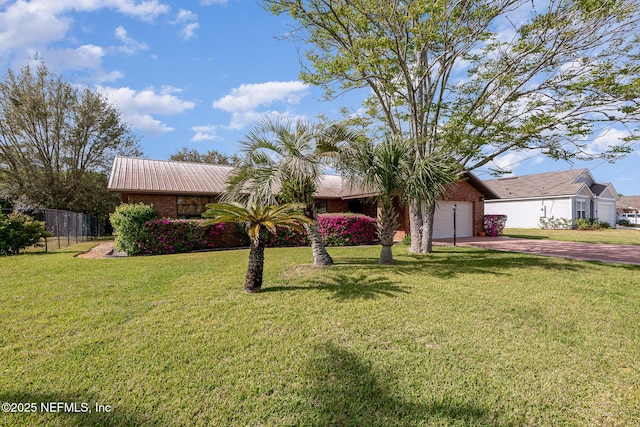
[(607, 212), (443, 222)]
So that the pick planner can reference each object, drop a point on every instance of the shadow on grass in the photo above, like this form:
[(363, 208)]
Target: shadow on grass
[(344, 390), (80, 410), (452, 262), (525, 236), (346, 286)]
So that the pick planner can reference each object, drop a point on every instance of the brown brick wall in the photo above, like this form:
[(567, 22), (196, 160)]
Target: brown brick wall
[(165, 204)]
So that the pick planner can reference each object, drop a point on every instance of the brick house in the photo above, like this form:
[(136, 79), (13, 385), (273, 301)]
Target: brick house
[(182, 189)]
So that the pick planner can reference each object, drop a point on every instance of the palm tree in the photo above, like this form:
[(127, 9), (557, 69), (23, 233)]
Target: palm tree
[(257, 220), (389, 170), (283, 163), (380, 169)]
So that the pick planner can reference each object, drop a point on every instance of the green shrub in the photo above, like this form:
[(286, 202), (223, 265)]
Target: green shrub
[(624, 223), (605, 224), (127, 221), (19, 231), (587, 224)]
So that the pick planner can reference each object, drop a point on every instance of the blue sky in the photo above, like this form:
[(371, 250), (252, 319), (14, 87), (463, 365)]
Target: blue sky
[(198, 74)]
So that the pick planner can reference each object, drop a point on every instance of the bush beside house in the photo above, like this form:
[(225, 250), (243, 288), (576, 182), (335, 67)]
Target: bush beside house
[(127, 222), (494, 224), (337, 229), (138, 231), (166, 236)]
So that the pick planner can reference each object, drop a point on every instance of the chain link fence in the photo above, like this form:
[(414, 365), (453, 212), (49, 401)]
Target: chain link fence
[(67, 227)]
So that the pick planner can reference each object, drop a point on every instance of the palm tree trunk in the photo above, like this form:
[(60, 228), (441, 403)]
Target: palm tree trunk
[(320, 255), (387, 226), (386, 255), (253, 280)]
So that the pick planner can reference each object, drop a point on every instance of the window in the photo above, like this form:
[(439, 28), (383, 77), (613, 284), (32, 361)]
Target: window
[(581, 209), (321, 206), (192, 206)]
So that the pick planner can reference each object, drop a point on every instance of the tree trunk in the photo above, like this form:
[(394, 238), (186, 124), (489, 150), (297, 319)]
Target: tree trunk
[(428, 213), (386, 256), (320, 255), (387, 226), (415, 224), (253, 280)]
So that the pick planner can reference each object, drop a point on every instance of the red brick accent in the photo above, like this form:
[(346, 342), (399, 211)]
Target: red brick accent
[(337, 205), (464, 192)]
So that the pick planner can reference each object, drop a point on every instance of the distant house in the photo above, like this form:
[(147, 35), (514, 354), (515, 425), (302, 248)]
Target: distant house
[(628, 204), (182, 190), (568, 194)]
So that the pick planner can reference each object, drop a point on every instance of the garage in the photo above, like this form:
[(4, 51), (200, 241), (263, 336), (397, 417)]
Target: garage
[(443, 221)]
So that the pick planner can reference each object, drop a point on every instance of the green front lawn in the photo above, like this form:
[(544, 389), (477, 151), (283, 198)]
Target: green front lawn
[(610, 235), (461, 337)]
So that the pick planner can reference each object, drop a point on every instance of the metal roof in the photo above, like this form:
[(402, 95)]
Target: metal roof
[(160, 176), (135, 175)]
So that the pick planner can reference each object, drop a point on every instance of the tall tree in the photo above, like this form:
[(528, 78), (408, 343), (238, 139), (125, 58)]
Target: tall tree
[(257, 220), (283, 163), (211, 156), (58, 141), (479, 78)]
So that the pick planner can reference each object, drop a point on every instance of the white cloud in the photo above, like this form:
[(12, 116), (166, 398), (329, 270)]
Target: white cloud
[(85, 56), (205, 133), (188, 21), (186, 16), (246, 103), (33, 26), (209, 2), (189, 30), (137, 107), (605, 139), (131, 46)]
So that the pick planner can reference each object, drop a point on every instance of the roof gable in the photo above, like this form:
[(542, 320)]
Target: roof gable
[(549, 184)]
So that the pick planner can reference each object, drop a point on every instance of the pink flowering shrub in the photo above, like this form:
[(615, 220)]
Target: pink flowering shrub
[(168, 236), (336, 229), (347, 229), (494, 224)]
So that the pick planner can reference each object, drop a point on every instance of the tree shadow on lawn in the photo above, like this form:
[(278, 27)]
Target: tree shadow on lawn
[(449, 263), (363, 278), (75, 413), (345, 390), (346, 286)]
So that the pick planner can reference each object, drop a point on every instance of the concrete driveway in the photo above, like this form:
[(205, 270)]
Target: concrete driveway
[(623, 254)]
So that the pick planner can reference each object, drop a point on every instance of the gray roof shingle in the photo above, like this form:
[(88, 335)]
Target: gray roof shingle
[(562, 183)]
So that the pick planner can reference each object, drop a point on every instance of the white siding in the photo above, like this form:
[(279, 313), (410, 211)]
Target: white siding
[(443, 220), (527, 213)]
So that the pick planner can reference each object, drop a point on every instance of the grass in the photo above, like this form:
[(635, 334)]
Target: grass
[(611, 236), (457, 338)]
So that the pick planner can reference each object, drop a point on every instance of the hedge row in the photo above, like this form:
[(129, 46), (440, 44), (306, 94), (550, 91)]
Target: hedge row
[(138, 231)]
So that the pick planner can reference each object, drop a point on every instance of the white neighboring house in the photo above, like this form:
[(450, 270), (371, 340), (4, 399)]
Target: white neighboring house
[(568, 194)]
